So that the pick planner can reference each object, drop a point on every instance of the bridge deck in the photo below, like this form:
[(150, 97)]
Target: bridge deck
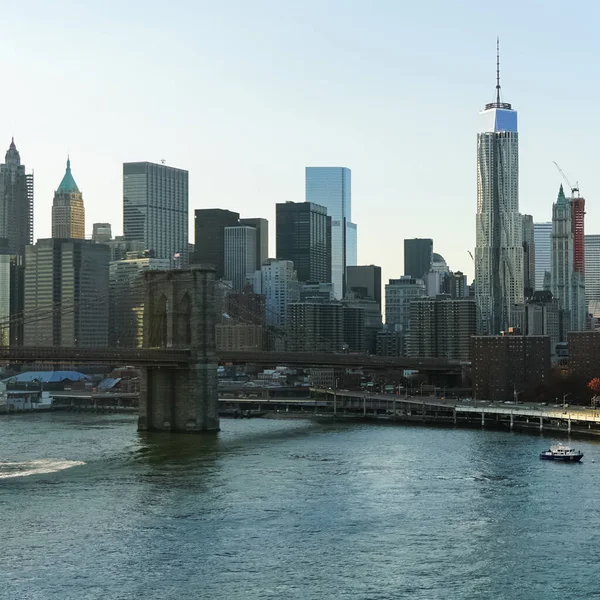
[(181, 357), (141, 357)]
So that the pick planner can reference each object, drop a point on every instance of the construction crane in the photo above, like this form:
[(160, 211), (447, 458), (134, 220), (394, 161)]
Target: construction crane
[(573, 189), (471, 255)]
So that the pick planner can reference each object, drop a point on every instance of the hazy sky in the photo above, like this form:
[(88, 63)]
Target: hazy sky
[(244, 94)]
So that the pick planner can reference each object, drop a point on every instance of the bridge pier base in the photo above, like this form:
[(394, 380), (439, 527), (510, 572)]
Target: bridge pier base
[(179, 400), (179, 312)]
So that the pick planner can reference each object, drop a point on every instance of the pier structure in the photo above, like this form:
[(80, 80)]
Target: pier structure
[(179, 313)]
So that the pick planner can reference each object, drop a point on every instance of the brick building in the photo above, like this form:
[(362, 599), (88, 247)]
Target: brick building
[(504, 365), (584, 354)]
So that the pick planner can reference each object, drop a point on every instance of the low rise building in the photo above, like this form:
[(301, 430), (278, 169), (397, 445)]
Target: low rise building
[(539, 315), (584, 354), (506, 365), (390, 342)]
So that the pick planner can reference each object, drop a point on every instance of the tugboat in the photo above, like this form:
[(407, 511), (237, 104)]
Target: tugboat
[(562, 453)]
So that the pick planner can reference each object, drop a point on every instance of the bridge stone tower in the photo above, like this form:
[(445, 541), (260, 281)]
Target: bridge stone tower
[(179, 313)]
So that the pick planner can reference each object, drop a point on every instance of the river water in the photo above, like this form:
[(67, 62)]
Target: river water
[(292, 510)]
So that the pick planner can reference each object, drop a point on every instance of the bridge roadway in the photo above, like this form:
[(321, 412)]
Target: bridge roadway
[(125, 356), (182, 357), (326, 359)]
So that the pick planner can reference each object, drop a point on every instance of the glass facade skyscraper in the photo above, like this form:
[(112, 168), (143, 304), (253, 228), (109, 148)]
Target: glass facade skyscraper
[(528, 255), (262, 238), (66, 287), (240, 255), (331, 187), (418, 257), (499, 282), (542, 237), (304, 237), (278, 282), (365, 282), (155, 208), (209, 232)]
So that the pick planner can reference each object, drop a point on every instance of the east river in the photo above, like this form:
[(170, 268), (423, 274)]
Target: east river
[(90, 509)]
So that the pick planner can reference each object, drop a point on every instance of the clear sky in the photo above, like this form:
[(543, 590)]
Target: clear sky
[(246, 93)]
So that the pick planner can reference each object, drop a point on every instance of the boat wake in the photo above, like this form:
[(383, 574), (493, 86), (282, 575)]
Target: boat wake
[(9, 470)]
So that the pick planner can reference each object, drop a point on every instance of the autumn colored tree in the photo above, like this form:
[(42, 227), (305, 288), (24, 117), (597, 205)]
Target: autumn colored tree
[(594, 385)]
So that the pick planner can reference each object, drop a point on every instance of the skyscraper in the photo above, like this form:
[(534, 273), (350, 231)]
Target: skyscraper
[(209, 240), (442, 327), (126, 299), (316, 327), (499, 238), (331, 187), (528, 255), (578, 223), (262, 238), (155, 208), (568, 285), (16, 203), (542, 239), (399, 293), (240, 255), (66, 293), (592, 274), (278, 281), (12, 292), (418, 257), (5, 316), (365, 282), (68, 212), (304, 237)]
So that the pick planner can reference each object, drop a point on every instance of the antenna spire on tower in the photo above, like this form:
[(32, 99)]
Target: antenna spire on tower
[(498, 70)]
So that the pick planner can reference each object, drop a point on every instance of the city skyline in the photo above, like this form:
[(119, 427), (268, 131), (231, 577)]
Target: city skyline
[(389, 153)]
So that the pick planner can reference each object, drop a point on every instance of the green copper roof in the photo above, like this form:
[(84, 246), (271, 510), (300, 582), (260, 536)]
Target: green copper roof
[(68, 185), (561, 196)]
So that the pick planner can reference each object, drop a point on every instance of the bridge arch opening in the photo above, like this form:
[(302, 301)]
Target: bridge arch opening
[(182, 330), (158, 323)]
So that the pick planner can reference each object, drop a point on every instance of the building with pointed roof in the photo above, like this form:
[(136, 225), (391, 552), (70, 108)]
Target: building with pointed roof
[(16, 203), (68, 212), (568, 285)]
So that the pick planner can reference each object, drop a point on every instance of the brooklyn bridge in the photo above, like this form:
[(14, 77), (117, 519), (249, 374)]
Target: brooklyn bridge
[(178, 360)]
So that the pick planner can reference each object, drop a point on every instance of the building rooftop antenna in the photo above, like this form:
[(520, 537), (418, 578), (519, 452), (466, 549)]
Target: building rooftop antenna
[(498, 103), (498, 70)]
